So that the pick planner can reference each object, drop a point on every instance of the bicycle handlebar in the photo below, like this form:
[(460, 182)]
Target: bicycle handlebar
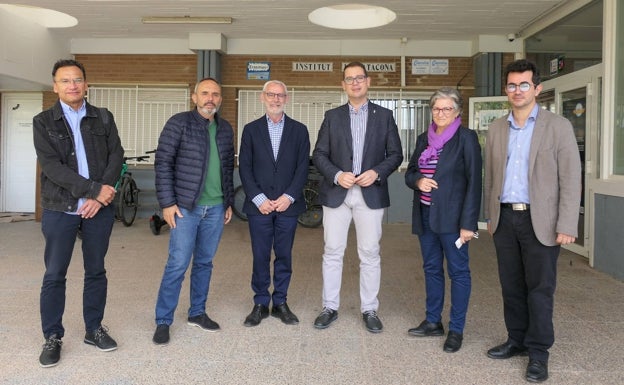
[(142, 158)]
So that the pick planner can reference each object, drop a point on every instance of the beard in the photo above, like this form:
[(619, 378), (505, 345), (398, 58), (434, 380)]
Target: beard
[(206, 110)]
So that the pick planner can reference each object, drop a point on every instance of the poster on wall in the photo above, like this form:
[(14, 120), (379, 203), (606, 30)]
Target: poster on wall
[(258, 70), (430, 66)]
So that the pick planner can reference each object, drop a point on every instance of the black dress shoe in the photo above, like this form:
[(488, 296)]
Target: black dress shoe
[(453, 342), (325, 318), (537, 371), (372, 321), (258, 313), (506, 350), (427, 329), (283, 312)]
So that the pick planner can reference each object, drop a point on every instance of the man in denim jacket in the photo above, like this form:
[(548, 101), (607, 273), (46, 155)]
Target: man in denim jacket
[(80, 155)]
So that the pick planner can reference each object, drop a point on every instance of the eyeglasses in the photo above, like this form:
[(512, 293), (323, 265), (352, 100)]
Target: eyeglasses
[(524, 87), (272, 95), (355, 79), (443, 110), (66, 82)]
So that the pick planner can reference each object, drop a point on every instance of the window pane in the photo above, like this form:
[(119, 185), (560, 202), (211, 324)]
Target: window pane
[(140, 113)]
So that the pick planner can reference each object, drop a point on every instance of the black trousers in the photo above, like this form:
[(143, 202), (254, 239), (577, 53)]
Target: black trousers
[(60, 230), (528, 275)]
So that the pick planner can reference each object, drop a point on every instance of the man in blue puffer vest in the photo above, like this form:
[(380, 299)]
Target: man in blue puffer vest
[(194, 185)]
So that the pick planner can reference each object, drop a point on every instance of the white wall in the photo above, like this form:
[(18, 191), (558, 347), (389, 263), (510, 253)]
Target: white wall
[(27, 53)]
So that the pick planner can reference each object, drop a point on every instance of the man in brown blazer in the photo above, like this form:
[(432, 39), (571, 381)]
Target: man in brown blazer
[(532, 192)]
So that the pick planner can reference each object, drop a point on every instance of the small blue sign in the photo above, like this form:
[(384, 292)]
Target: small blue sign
[(258, 70)]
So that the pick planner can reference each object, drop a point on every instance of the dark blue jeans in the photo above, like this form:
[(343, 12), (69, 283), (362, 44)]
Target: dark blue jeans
[(196, 236), (435, 247), (59, 230)]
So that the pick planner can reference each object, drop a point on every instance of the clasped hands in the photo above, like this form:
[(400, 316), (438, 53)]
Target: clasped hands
[(280, 204), (92, 206), (347, 179)]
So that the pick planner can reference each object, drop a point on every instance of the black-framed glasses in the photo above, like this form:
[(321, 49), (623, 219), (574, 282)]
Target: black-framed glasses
[(524, 87), (272, 95), (66, 82), (355, 79), (443, 110)]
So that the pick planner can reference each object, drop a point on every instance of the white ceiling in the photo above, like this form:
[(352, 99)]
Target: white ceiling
[(288, 19), (417, 20)]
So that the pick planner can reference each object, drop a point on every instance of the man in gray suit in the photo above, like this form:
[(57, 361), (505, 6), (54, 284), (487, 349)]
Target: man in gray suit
[(358, 147), (532, 196)]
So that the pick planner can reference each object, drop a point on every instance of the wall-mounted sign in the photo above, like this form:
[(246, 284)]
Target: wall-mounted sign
[(430, 66), (377, 67), (258, 70), (312, 67)]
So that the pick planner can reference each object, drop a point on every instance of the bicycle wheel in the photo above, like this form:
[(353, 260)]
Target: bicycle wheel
[(313, 216), (128, 201), (239, 202)]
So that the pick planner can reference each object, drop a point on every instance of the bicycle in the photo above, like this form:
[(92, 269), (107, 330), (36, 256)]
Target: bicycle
[(312, 217), (127, 197)]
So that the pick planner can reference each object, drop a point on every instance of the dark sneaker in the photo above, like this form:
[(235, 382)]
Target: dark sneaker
[(372, 321), (204, 322), (325, 318), (161, 335), (100, 339), (51, 353)]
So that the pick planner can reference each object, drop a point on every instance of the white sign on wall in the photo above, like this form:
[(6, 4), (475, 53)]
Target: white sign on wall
[(377, 67), (430, 66), (312, 67)]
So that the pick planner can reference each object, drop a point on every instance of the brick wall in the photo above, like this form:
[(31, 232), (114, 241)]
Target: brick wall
[(182, 69)]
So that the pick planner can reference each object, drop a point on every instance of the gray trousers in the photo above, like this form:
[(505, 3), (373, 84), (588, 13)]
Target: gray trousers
[(336, 222)]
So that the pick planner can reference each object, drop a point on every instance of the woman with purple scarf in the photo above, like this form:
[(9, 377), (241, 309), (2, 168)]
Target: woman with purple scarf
[(445, 174)]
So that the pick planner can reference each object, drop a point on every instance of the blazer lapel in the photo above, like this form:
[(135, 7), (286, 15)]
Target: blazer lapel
[(345, 126), (286, 133), (536, 140), (266, 139), (370, 123)]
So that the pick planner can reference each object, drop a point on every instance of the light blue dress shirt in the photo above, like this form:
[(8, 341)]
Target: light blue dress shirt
[(74, 118), (276, 129), (516, 184)]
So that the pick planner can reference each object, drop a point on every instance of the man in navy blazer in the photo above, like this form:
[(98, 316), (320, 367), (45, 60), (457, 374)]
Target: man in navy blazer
[(273, 165), (358, 147)]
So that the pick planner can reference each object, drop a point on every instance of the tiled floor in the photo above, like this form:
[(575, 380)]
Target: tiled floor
[(589, 320)]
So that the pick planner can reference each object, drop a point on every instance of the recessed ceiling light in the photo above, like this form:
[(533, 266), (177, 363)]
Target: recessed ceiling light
[(45, 17), (352, 16)]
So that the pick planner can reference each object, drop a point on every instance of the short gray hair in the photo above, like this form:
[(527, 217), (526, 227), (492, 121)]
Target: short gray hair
[(447, 93), (267, 84)]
